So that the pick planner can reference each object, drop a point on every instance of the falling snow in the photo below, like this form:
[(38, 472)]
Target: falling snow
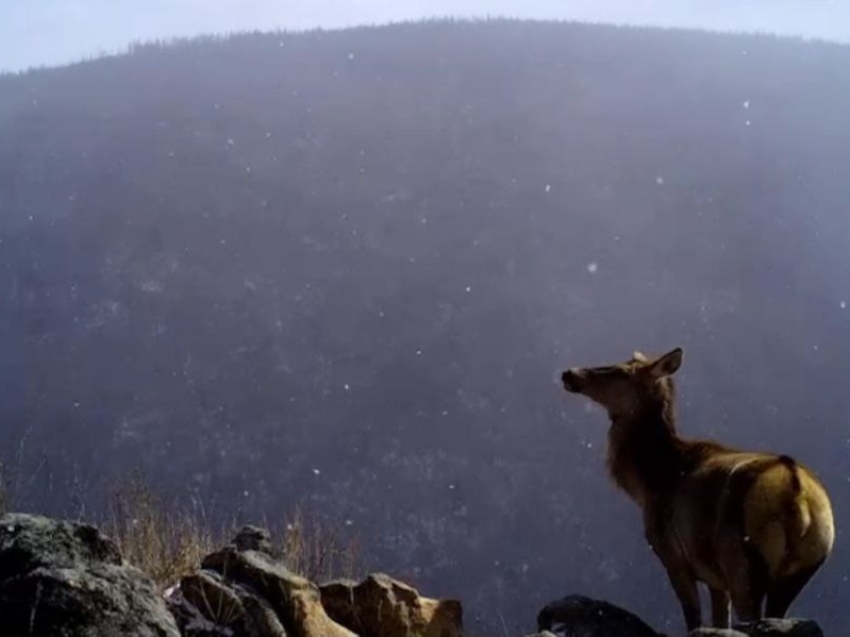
[(843, 305), (659, 180), (548, 188), (592, 267), (746, 103)]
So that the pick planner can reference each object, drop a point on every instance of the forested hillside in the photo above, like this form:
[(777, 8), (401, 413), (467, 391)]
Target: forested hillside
[(343, 270)]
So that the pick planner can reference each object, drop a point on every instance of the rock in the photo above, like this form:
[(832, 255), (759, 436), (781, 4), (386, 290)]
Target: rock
[(66, 579), (253, 538), (190, 620), (262, 614), (781, 628), (380, 606), (715, 632), (545, 633), (207, 606), (580, 616), (295, 601)]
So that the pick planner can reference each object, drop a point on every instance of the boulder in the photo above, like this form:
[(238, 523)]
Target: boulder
[(380, 606), (578, 616), (293, 600), (781, 628), (65, 579), (207, 606), (253, 538), (190, 620)]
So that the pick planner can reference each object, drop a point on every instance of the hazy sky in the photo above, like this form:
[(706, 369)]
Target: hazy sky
[(50, 32)]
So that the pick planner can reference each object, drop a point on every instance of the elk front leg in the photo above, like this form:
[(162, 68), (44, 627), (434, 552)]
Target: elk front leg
[(685, 587), (719, 608), (672, 556)]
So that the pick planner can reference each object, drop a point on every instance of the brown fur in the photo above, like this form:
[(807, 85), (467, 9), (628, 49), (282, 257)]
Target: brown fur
[(750, 526)]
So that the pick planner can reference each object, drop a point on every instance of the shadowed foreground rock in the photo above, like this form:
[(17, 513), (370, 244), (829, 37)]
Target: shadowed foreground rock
[(66, 580), (243, 590), (578, 616), (766, 628), (207, 606), (380, 606)]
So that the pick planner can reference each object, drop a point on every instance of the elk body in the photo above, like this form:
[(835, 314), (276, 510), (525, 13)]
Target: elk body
[(753, 527)]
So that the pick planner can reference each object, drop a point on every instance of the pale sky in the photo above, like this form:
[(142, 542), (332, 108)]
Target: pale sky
[(54, 32)]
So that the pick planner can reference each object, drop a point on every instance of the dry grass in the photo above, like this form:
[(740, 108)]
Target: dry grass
[(168, 541), (317, 552), (14, 466), (4, 498)]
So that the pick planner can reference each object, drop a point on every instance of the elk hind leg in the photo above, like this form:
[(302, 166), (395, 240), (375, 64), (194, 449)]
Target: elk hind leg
[(749, 586), (785, 590)]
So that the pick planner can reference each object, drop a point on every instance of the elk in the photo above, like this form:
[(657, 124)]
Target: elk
[(752, 527)]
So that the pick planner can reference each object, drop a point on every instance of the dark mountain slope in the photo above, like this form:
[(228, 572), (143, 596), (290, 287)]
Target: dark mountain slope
[(368, 253)]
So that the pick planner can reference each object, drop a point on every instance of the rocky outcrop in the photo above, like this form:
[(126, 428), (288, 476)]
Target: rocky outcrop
[(66, 579), (380, 606), (580, 616), (244, 590), (295, 600)]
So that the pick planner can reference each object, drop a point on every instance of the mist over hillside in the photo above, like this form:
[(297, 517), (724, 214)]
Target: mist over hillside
[(344, 270)]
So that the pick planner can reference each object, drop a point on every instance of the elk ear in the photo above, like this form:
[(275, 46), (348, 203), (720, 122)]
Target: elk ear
[(668, 364), (640, 357)]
